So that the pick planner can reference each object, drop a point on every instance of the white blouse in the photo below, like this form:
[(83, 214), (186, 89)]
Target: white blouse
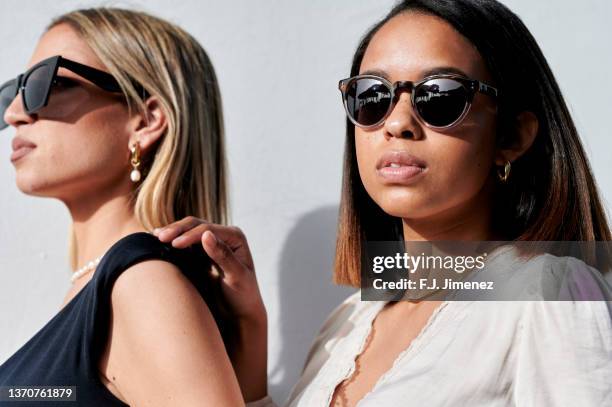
[(473, 353)]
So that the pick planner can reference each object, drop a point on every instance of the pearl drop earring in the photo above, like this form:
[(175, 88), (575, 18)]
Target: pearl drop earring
[(135, 160)]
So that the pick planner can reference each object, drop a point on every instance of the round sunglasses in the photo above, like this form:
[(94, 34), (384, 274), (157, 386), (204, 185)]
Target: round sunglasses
[(439, 101)]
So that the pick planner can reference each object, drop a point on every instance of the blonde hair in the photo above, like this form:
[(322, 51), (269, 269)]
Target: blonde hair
[(185, 175)]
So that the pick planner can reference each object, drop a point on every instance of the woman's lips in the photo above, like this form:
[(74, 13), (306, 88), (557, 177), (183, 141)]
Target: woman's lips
[(21, 147), (20, 152), (399, 167), (402, 174)]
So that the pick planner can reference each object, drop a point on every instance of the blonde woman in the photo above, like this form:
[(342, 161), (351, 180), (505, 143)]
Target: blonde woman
[(119, 117)]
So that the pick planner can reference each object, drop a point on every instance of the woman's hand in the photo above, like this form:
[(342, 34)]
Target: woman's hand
[(227, 247)]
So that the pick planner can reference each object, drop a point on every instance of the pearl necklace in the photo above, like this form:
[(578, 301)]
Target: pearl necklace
[(91, 266)]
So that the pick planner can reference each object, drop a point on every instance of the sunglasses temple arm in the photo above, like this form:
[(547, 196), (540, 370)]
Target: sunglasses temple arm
[(486, 89), (102, 79)]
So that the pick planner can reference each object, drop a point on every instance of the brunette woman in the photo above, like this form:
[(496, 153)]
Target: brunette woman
[(464, 135)]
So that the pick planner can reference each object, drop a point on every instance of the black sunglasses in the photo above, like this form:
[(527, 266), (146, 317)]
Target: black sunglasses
[(36, 83), (440, 101)]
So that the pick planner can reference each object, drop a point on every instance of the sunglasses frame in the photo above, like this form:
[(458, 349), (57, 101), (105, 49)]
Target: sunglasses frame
[(101, 79), (471, 85)]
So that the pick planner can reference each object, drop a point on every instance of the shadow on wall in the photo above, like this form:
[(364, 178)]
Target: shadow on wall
[(307, 293)]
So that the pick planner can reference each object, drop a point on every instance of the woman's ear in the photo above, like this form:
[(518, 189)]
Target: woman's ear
[(149, 126), (526, 130)]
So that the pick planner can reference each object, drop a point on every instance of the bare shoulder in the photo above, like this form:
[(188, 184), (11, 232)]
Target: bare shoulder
[(154, 280), (164, 347)]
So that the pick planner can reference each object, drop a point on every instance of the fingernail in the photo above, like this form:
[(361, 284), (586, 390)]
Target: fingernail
[(212, 235), (156, 231)]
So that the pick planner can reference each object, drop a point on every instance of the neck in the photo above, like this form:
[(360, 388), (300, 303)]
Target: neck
[(469, 221), (98, 222)]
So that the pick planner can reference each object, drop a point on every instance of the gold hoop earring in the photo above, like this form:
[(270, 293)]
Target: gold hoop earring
[(135, 161), (506, 174)]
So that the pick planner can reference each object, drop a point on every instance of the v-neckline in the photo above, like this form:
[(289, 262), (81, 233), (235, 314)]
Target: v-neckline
[(363, 339)]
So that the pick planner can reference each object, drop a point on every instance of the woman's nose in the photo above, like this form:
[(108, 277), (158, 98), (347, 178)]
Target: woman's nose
[(402, 122), (15, 115)]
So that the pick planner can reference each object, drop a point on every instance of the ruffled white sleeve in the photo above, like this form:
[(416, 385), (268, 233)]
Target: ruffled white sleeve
[(565, 355)]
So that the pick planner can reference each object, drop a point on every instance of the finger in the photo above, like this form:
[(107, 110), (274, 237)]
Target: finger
[(230, 267), (235, 238), (174, 229), (230, 235), (190, 237)]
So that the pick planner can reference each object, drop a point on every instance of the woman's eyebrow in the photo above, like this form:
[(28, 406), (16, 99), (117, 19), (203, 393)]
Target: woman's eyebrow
[(428, 72), (376, 72), (443, 70)]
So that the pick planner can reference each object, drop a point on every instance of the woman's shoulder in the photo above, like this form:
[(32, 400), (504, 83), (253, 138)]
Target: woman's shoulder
[(338, 324), (135, 247), (147, 270), (546, 276), (151, 275), (141, 247), (342, 313), (567, 278), (161, 326)]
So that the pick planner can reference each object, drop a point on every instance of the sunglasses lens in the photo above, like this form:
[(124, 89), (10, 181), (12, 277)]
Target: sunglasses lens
[(440, 102), (7, 94), (367, 100), (36, 87)]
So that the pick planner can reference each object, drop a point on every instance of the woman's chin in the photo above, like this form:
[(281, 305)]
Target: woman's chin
[(403, 205), (404, 211), (32, 186)]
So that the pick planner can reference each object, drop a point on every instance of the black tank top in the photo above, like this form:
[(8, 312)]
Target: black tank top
[(66, 351)]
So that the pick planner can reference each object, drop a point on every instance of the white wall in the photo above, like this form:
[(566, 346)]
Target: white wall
[(284, 151)]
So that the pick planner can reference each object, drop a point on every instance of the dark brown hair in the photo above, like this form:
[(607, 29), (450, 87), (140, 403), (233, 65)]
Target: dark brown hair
[(551, 194)]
